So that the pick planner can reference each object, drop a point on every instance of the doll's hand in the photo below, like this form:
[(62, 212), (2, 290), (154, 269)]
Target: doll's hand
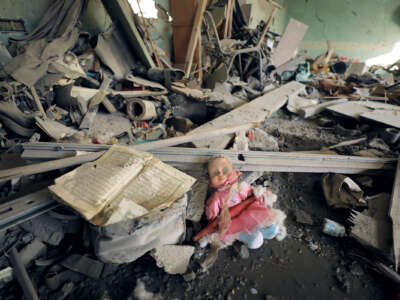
[(259, 191), (269, 198)]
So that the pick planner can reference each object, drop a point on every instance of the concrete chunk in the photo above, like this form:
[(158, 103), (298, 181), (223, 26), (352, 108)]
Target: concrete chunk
[(357, 68), (32, 251), (46, 229), (173, 258)]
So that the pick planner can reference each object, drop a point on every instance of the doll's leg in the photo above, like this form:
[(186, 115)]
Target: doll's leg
[(252, 241), (270, 232)]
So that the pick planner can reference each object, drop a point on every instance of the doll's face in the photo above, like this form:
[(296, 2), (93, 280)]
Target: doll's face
[(219, 171)]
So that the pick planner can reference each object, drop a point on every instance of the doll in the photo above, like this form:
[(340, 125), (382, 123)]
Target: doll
[(255, 222)]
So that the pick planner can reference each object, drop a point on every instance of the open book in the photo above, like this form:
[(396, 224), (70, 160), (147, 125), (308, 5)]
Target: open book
[(123, 184)]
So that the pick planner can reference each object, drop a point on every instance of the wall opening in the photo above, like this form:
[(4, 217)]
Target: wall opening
[(386, 59), (148, 7)]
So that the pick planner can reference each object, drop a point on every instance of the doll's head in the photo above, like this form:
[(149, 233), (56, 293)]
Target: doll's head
[(220, 171)]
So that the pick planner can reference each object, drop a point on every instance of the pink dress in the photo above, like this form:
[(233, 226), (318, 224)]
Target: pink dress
[(253, 217)]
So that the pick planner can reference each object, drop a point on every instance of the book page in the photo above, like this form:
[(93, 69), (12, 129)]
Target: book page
[(157, 186), (123, 184), (91, 186)]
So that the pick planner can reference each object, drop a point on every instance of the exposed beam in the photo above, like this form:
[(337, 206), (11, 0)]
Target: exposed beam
[(395, 215), (194, 37), (25, 208), (245, 161), (48, 166)]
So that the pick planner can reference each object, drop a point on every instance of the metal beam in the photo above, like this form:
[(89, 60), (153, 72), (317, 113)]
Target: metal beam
[(25, 208), (245, 161)]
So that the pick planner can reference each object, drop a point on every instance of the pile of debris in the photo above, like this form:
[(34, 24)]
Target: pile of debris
[(69, 99)]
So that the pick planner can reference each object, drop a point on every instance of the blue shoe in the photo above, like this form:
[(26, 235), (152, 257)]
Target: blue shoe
[(270, 232), (252, 241)]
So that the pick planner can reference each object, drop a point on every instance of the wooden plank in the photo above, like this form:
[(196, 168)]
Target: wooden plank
[(182, 13), (121, 13), (48, 166), (268, 25), (37, 102), (144, 22), (101, 93), (348, 143), (199, 51), (228, 19), (289, 42), (89, 117), (194, 36), (54, 129), (316, 109), (109, 106), (387, 117), (254, 111), (191, 137), (395, 215)]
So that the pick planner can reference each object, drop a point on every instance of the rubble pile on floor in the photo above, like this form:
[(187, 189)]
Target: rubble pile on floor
[(88, 125)]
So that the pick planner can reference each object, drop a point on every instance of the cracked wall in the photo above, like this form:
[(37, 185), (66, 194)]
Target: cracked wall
[(260, 10), (357, 28), (95, 19)]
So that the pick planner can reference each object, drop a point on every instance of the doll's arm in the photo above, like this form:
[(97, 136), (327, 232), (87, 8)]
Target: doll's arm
[(245, 190), (213, 207)]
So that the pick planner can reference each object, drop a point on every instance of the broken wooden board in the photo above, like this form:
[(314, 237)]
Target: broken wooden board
[(182, 13), (89, 117), (289, 42), (355, 109), (395, 215), (310, 111), (255, 111), (388, 117), (54, 129), (145, 82), (379, 112), (194, 37), (191, 137), (189, 92)]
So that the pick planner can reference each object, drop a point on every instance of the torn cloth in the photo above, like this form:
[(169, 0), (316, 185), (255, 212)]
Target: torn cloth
[(30, 66), (59, 20), (47, 43)]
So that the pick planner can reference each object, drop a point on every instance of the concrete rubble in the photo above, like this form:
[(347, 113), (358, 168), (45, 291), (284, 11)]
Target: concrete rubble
[(106, 132), (174, 259)]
